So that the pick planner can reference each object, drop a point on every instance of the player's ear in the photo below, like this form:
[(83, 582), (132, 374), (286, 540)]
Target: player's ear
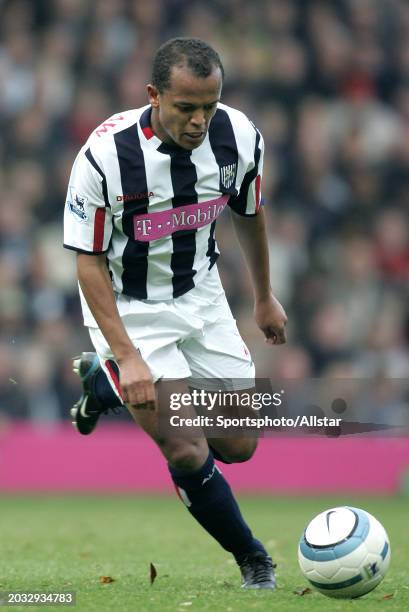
[(153, 95)]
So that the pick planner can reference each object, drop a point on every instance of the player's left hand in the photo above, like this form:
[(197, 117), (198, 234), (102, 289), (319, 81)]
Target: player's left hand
[(271, 318)]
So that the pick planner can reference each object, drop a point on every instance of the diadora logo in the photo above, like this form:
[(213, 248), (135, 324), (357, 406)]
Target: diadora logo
[(77, 204), (126, 197), (210, 476), (228, 175)]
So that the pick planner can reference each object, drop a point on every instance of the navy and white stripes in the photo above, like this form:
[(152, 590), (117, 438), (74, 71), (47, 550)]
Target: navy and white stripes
[(124, 174)]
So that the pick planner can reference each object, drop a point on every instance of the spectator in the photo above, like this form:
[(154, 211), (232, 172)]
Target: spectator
[(327, 83)]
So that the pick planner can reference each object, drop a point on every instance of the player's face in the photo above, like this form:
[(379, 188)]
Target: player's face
[(182, 113)]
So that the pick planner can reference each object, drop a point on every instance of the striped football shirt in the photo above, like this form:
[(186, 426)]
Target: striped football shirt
[(152, 207)]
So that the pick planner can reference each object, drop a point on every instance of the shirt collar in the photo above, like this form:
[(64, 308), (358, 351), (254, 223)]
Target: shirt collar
[(162, 147)]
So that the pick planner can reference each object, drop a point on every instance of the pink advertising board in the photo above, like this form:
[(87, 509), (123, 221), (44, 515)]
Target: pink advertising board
[(121, 458)]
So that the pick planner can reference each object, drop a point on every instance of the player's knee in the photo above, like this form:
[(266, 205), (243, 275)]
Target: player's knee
[(187, 456), (240, 451)]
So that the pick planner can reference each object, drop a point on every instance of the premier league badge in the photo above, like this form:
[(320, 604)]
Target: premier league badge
[(77, 205)]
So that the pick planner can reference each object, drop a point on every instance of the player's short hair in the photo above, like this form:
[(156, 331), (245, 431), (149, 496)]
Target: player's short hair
[(194, 53)]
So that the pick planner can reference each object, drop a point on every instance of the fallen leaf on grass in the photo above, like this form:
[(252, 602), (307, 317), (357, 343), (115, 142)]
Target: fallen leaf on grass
[(106, 579), (389, 596), (153, 573), (303, 591)]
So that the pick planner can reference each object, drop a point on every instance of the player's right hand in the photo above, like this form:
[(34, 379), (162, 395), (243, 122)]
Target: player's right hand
[(136, 382)]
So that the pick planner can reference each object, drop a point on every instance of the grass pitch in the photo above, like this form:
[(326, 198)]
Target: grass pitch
[(70, 543)]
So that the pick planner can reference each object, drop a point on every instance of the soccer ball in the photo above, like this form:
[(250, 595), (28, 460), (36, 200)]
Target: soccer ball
[(344, 552)]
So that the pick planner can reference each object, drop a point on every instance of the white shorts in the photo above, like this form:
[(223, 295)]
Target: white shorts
[(193, 337)]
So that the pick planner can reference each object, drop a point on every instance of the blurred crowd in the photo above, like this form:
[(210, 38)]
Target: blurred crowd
[(327, 83)]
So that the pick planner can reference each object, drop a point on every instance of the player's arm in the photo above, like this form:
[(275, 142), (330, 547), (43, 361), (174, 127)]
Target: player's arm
[(88, 230), (249, 223), (135, 377), (268, 312)]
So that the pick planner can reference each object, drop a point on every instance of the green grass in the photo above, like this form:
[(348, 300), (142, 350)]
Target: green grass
[(56, 543)]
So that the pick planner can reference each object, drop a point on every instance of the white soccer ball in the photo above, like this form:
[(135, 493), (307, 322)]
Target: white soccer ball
[(344, 552)]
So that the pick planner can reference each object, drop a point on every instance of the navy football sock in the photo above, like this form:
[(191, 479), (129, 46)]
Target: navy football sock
[(103, 391), (210, 500)]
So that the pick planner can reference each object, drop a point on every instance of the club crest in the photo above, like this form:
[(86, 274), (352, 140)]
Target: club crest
[(228, 175)]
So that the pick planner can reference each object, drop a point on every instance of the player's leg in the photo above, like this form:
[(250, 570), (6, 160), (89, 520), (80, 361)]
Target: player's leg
[(211, 501), (205, 492), (209, 498)]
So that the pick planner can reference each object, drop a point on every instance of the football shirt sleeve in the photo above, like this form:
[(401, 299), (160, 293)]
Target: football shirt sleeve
[(248, 201), (87, 214)]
